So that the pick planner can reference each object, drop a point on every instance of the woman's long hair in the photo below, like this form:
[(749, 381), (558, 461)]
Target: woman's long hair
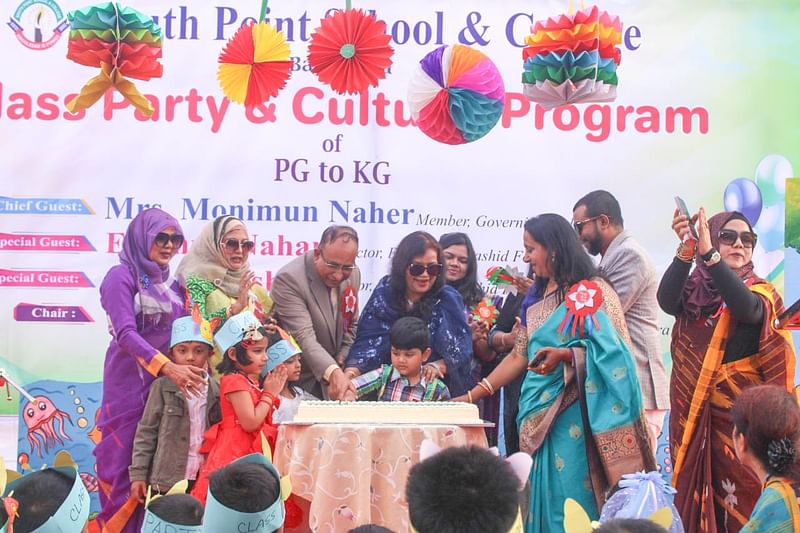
[(568, 260), (468, 286), (769, 418), (414, 245)]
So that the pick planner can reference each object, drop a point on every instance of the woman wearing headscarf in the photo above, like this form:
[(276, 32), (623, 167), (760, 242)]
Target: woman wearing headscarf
[(723, 341), (217, 275), (415, 287), (141, 301)]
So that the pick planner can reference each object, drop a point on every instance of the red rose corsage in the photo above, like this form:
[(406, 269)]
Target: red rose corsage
[(348, 304), (583, 300)]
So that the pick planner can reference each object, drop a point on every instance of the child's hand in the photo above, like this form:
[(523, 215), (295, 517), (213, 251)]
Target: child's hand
[(276, 380), (139, 490), (271, 326)]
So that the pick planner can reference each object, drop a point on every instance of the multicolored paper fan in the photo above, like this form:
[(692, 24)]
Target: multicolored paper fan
[(498, 276), (123, 43), (457, 94), (572, 59), (255, 64), (350, 51)]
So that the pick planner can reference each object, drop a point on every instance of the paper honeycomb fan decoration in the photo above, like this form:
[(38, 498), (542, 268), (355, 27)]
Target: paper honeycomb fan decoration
[(456, 95), (350, 51), (572, 58), (123, 43), (254, 65)]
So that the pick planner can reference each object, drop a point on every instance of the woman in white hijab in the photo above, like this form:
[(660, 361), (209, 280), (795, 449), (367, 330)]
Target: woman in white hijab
[(217, 275)]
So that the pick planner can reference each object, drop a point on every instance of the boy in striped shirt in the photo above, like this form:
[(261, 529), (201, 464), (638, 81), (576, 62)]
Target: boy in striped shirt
[(402, 381)]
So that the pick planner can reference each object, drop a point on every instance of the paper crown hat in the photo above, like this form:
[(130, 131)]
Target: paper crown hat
[(155, 524), (221, 519), (186, 329), (71, 515), (282, 350), (236, 329)]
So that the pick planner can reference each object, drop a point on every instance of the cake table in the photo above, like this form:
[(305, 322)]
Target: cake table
[(349, 474)]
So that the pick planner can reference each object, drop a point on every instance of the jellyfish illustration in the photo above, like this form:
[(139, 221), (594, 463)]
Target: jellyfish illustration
[(40, 416)]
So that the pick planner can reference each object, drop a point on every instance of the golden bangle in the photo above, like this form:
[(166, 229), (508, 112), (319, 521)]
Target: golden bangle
[(469, 396), (489, 385), (485, 387)]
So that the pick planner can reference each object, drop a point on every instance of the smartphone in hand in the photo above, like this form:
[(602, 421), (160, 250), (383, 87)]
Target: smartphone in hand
[(685, 211)]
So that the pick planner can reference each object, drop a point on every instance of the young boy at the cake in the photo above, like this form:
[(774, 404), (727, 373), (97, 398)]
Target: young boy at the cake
[(247, 495), (402, 381), (166, 448), (53, 499)]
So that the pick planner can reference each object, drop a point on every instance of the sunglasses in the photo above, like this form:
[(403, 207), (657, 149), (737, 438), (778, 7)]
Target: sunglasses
[(416, 269), (232, 245), (162, 239), (578, 224), (346, 269), (729, 236)]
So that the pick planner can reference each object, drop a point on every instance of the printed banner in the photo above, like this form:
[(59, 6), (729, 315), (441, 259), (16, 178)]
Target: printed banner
[(699, 112)]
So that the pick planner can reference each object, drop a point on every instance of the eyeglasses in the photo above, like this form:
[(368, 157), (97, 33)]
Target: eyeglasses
[(729, 236), (416, 269), (578, 224), (162, 239), (346, 269), (233, 245)]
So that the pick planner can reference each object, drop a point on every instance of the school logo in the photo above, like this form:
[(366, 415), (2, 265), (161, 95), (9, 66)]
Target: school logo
[(36, 20)]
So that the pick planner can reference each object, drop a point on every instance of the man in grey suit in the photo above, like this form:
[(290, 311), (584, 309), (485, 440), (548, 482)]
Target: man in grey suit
[(624, 262), (316, 300)]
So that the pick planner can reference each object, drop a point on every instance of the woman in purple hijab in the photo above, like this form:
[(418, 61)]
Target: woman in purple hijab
[(141, 301)]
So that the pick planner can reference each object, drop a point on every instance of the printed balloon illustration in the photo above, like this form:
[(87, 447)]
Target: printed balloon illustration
[(744, 196), (457, 94), (771, 174)]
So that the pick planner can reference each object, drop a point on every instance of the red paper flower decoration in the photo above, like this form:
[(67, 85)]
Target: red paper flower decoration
[(582, 301), (254, 65), (485, 311), (350, 51)]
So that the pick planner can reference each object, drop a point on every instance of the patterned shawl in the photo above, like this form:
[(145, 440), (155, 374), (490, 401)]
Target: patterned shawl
[(451, 338)]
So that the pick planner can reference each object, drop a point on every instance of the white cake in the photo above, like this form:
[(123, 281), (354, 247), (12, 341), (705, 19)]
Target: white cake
[(319, 411)]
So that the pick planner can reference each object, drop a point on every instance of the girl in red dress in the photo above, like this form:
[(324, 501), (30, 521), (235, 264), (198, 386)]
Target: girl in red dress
[(246, 407)]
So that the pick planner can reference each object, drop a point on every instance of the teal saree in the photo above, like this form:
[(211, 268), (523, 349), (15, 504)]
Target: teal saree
[(582, 422)]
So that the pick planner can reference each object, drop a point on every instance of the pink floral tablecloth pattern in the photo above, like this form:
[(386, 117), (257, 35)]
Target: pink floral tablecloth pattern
[(356, 474)]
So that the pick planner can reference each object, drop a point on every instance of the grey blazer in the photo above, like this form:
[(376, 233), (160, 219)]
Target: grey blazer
[(303, 306), (633, 276)]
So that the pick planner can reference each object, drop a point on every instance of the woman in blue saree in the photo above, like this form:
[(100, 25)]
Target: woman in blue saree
[(580, 407)]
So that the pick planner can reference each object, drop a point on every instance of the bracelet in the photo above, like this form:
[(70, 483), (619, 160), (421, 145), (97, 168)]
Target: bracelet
[(469, 396), (437, 369), (683, 255), (484, 383), (271, 399)]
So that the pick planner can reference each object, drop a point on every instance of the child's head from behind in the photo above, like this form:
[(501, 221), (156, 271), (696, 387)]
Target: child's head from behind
[(463, 490), (766, 427), (410, 340), (190, 344), (240, 489), (175, 509), (42, 495), (243, 341)]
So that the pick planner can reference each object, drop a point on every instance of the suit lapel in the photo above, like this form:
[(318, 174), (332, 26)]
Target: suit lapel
[(321, 296)]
